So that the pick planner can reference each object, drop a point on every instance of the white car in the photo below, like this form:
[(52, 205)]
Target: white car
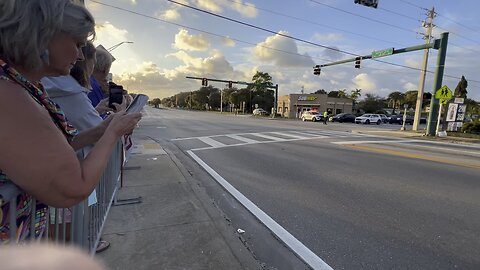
[(312, 116), (259, 111), (369, 118)]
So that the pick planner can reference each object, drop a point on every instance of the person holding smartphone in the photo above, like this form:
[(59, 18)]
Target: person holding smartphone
[(38, 144), (70, 92)]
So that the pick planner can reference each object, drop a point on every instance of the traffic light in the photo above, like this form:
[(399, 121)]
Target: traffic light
[(357, 61), (316, 70), (230, 84), (204, 82), (427, 96), (367, 3)]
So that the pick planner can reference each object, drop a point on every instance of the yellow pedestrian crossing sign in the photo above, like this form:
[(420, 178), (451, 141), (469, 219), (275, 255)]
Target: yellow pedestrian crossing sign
[(444, 94)]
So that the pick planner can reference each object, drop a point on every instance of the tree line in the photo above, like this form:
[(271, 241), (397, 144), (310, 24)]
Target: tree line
[(208, 98)]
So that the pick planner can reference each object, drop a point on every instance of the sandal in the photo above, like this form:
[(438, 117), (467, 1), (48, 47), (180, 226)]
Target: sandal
[(102, 245)]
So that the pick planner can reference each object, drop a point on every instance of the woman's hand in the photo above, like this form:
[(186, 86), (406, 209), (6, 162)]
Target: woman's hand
[(123, 123), (102, 107)]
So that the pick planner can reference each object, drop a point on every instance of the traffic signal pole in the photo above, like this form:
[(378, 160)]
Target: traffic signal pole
[(438, 44), (275, 105), (437, 84), (433, 45)]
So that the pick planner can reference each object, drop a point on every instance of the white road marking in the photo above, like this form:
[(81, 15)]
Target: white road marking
[(242, 139), (296, 246), (290, 135), (476, 153), (312, 134), (269, 137), (211, 142), (363, 142)]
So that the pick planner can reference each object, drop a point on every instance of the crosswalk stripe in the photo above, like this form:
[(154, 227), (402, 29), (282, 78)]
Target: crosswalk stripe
[(289, 135), (268, 137), (242, 139), (307, 135), (211, 142), (329, 133)]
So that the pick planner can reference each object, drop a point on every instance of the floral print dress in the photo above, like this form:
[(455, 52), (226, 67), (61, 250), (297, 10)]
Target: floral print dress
[(25, 203)]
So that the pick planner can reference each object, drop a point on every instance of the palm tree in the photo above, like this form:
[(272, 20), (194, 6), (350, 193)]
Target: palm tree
[(395, 100)]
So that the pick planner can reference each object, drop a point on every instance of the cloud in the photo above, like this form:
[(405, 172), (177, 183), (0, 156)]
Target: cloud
[(184, 41), (108, 35), (284, 52), (327, 37), (332, 55), (410, 86), (148, 78), (209, 5), (214, 64), (228, 42), (169, 14), (413, 62), (246, 10), (364, 82), (93, 7)]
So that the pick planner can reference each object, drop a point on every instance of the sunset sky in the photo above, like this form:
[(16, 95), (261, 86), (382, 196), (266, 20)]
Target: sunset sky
[(171, 42)]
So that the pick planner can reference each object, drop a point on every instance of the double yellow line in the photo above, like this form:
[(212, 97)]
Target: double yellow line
[(414, 155)]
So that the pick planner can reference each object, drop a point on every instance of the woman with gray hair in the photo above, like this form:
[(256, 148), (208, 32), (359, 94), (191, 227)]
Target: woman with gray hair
[(37, 39), (98, 80)]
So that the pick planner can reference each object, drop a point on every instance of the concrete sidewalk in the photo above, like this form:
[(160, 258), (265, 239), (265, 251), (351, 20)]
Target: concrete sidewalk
[(174, 227)]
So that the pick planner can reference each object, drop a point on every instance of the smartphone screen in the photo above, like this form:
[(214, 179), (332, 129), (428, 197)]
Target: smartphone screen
[(115, 96)]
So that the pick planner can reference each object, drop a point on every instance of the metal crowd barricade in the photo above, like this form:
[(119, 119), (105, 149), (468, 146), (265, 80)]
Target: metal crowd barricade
[(87, 222)]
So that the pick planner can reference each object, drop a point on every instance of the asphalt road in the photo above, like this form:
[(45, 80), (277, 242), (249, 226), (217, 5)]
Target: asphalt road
[(355, 201)]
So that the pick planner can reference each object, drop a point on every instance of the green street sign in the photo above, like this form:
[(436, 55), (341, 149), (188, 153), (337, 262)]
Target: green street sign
[(245, 83), (382, 53)]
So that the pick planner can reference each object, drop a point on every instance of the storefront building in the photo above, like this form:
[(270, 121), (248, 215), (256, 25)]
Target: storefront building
[(292, 106)]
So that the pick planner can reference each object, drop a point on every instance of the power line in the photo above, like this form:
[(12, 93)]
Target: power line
[(467, 27), (207, 32), (464, 48), (399, 14), (440, 15), (361, 16), (262, 28), (314, 23), (291, 37), (256, 27), (414, 5), (461, 36)]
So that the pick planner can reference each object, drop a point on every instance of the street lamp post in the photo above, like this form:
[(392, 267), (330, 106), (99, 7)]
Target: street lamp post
[(118, 45)]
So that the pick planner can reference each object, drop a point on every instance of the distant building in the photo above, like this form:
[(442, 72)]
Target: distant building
[(292, 106)]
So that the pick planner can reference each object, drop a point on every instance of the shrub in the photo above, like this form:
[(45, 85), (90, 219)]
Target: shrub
[(471, 127)]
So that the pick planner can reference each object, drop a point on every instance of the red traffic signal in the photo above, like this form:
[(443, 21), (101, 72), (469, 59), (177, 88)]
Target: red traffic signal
[(316, 70), (204, 82), (230, 84)]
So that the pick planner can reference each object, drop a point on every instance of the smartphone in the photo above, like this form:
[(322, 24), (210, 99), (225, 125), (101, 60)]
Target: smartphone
[(115, 95)]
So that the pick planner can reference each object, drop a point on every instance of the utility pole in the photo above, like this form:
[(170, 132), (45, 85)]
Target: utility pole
[(221, 101), (418, 108)]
